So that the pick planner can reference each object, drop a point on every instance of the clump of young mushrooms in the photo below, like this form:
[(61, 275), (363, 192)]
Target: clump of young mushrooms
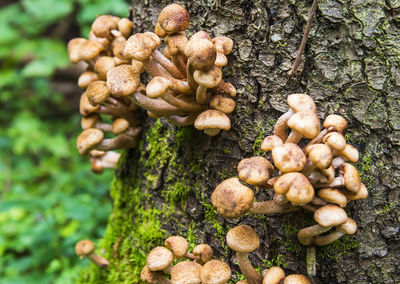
[(190, 267), (309, 169), (243, 240)]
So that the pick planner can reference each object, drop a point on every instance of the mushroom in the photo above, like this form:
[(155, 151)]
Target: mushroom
[(232, 199), (273, 275), (206, 79), (296, 279), (186, 272), (305, 124), (215, 272), (178, 245), (86, 78), (222, 103), (333, 196), (103, 160), (297, 103), (173, 19), (103, 25), (349, 228), (270, 142), (243, 239), (202, 253), (212, 122), (122, 80), (159, 258), (288, 157), (254, 170), (319, 156), (85, 248), (153, 277), (332, 122), (125, 27), (350, 179), (296, 187)]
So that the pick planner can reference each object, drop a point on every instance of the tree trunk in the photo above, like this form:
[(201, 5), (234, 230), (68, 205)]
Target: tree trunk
[(350, 67)]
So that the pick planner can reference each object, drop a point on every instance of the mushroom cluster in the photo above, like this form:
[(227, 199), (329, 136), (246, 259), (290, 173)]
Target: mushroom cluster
[(311, 170), (243, 240), (200, 268)]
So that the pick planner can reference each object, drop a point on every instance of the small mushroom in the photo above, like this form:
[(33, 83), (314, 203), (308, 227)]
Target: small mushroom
[(159, 258), (270, 142), (202, 253), (319, 156), (178, 245), (222, 103), (254, 170), (288, 157), (273, 275), (349, 228), (296, 187), (215, 272), (296, 279), (173, 19), (85, 248), (212, 122), (122, 80), (186, 272), (350, 179), (153, 277), (107, 160), (303, 124), (333, 196), (86, 78), (243, 239)]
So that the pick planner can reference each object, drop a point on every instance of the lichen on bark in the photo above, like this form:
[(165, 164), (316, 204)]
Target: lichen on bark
[(351, 67)]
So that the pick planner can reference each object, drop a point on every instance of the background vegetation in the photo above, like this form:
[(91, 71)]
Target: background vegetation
[(49, 199)]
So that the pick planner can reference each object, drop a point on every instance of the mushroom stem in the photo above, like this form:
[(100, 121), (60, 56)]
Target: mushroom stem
[(189, 75), (310, 207), (306, 235), (98, 260), (159, 107), (319, 137), (110, 159), (201, 95), (183, 105), (280, 199), (270, 207), (116, 108), (303, 43), (280, 125), (167, 64), (338, 161), (337, 182), (294, 137), (311, 261), (252, 276), (128, 139), (183, 120), (309, 168), (329, 238), (180, 62)]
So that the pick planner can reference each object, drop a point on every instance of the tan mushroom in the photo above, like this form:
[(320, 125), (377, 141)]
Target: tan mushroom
[(215, 272), (212, 122), (186, 272), (85, 248), (254, 170)]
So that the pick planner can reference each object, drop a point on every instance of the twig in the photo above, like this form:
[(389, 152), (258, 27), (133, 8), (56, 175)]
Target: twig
[(303, 43)]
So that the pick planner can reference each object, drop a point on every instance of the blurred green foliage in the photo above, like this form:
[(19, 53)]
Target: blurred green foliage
[(49, 199)]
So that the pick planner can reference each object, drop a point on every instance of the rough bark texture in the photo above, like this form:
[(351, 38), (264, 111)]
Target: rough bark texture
[(351, 67)]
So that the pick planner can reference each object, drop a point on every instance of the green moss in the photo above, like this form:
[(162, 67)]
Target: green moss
[(366, 164), (259, 139), (279, 260), (387, 208), (343, 246), (290, 241)]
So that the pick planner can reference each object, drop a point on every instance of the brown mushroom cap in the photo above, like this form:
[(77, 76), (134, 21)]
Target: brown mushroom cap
[(212, 119), (361, 194), (84, 247), (90, 120), (174, 18), (209, 78), (178, 245), (97, 92), (335, 140), (221, 103), (301, 103), (125, 27), (273, 275), (85, 107), (297, 188), (73, 49), (232, 199), (119, 125), (270, 142), (223, 44), (333, 196), (140, 46), (351, 177), (306, 123), (203, 253), (330, 215), (254, 170), (89, 49), (159, 258), (103, 64), (335, 121), (288, 157), (242, 238), (350, 153), (186, 272), (320, 155), (103, 24), (87, 139), (349, 227), (158, 86), (296, 279), (215, 272), (86, 78), (176, 43), (201, 53), (122, 80)]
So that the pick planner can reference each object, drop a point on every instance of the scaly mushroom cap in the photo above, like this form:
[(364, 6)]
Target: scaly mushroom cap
[(288, 157), (320, 155), (301, 103), (242, 238), (209, 78), (119, 125), (274, 275), (221, 103), (335, 121), (122, 80), (89, 49), (212, 119), (201, 53), (90, 120), (178, 245), (333, 196), (102, 26), (173, 19), (84, 247), (330, 215), (271, 142), (125, 27), (297, 188), (335, 140), (105, 42), (138, 66), (215, 272), (203, 253), (118, 49), (103, 64), (223, 44), (73, 49), (97, 92), (350, 153), (186, 272), (296, 279), (89, 138), (158, 86), (254, 170), (139, 46), (86, 78), (306, 123), (351, 177), (232, 199), (85, 107), (159, 258), (148, 276), (176, 43)]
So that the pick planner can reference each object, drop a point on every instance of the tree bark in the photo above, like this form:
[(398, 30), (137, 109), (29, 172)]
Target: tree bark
[(350, 67)]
